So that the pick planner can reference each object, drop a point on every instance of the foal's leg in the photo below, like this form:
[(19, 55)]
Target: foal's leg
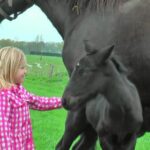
[(105, 145), (75, 124), (87, 140)]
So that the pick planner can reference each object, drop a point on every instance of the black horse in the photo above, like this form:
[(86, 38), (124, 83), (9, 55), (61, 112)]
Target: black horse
[(124, 23), (115, 113)]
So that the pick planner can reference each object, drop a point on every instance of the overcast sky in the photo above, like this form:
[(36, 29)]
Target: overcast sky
[(28, 25)]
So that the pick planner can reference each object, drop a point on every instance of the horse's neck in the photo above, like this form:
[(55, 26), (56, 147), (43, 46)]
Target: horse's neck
[(56, 11)]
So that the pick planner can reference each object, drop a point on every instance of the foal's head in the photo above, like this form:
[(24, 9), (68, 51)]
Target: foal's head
[(99, 72)]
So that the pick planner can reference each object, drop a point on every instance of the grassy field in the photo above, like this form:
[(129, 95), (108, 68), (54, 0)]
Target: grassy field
[(49, 79)]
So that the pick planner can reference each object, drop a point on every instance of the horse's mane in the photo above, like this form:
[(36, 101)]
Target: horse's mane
[(95, 4)]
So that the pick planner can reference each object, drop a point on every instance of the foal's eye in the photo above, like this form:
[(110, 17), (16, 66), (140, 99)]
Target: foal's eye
[(78, 64)]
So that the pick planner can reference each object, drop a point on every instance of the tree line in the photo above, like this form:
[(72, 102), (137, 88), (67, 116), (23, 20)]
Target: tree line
[(34, 46)]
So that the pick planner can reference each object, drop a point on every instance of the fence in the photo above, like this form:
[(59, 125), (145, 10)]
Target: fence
[(50, 71), (46, 54)]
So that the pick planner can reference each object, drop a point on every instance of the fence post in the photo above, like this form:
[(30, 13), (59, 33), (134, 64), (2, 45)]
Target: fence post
[(51, 70)]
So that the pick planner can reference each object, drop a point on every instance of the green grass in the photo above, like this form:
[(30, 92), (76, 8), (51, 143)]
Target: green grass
[(48, 126)]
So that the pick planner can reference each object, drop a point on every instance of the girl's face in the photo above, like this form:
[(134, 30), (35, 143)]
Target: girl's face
[(20, 75)]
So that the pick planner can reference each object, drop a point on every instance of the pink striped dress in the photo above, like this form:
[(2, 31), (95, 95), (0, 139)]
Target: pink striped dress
[(15, 121)]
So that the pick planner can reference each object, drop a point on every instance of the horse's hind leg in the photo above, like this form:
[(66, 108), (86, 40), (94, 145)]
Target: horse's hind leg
[(75, 124), (87, 140)]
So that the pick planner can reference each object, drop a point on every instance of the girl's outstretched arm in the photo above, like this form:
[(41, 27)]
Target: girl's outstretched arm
[(43, 103)]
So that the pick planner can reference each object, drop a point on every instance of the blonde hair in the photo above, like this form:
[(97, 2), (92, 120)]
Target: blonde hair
[(10, 61)]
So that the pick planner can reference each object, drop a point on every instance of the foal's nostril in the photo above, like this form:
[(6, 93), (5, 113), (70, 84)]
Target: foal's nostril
[(65, 103)]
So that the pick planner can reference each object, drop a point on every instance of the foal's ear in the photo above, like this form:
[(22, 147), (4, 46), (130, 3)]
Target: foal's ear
[(106, 53), (120, 67), (103, 55), (89, 48)]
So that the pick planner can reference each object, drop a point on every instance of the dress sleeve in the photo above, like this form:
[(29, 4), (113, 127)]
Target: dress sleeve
[(5, 108), (43, 103)]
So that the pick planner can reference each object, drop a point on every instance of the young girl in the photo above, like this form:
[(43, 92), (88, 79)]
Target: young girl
[(15, 101)]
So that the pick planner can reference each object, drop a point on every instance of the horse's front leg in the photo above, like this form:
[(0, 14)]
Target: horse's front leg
[(75, 124), (87, 140)]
